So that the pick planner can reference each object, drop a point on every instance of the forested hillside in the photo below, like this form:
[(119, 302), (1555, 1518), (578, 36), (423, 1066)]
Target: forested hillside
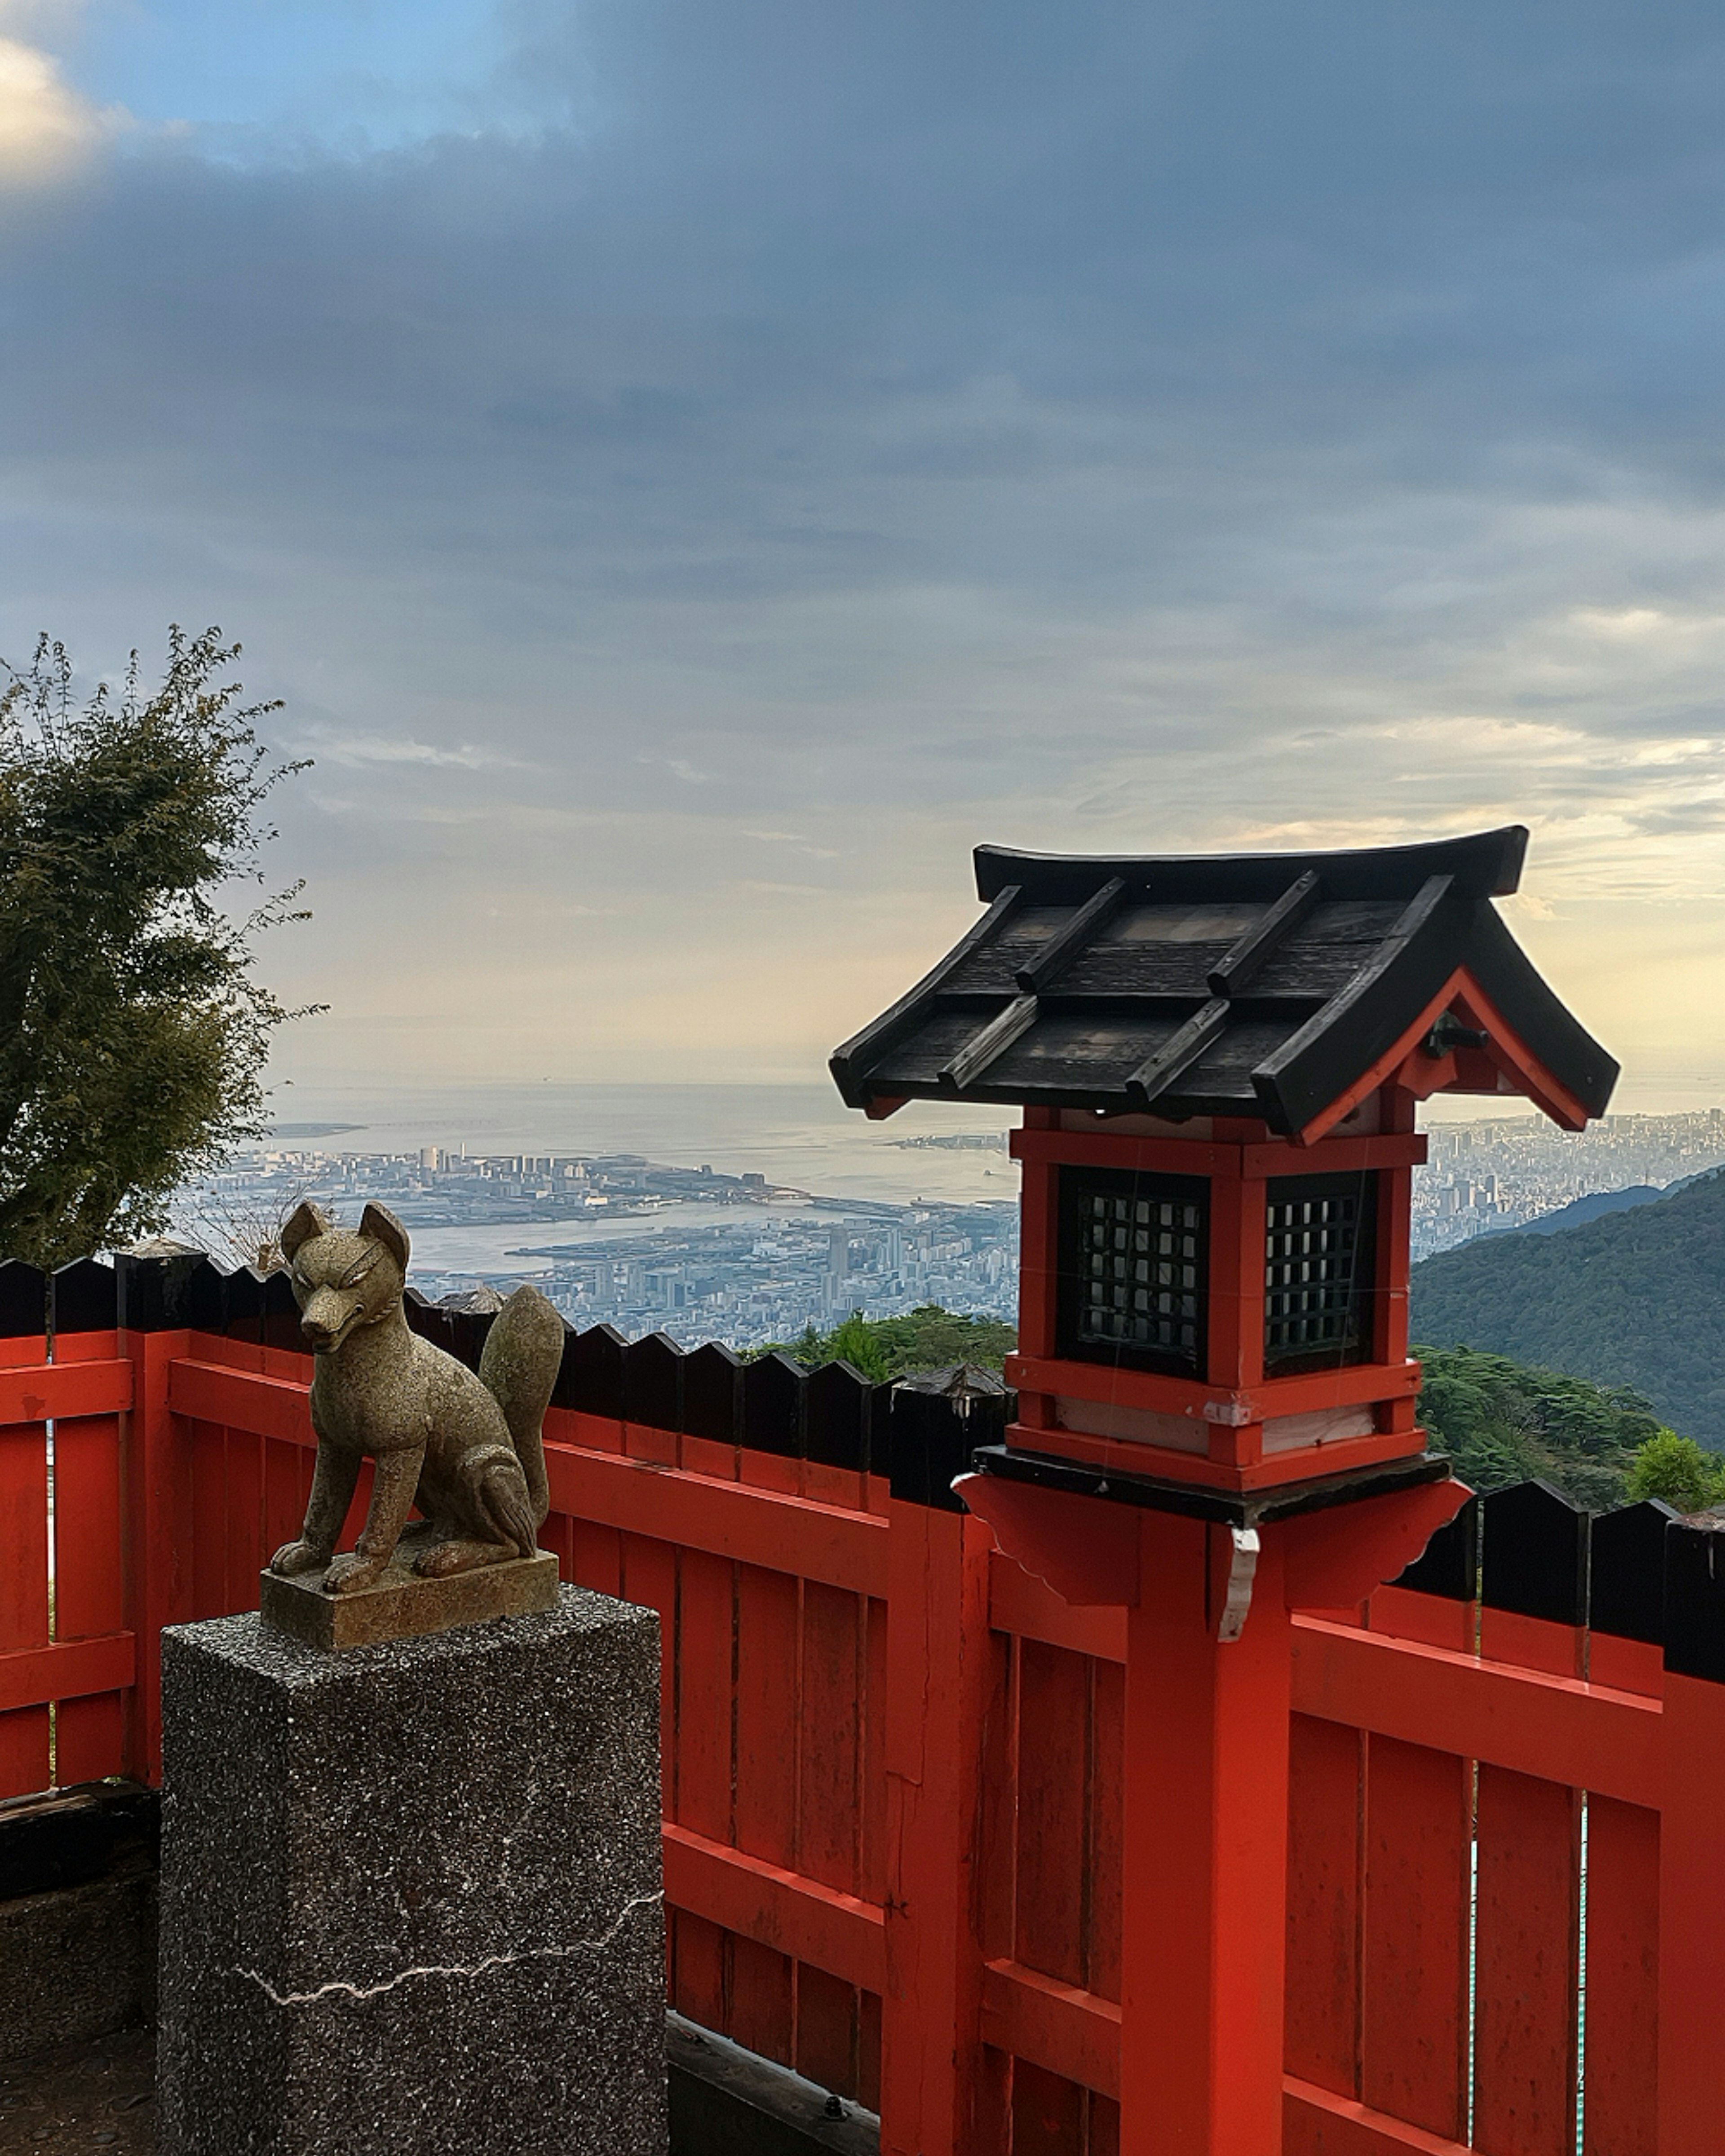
[(1502, 1423), (1636, 1298)]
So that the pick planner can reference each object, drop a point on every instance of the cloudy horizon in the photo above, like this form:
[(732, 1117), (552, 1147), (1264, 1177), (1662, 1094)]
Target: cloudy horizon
[(694, 473)]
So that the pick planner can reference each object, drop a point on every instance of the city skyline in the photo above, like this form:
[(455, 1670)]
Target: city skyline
[(701, 1252)]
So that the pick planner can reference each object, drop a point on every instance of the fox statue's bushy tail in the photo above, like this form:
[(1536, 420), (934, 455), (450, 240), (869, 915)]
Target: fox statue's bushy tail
[(519, 1366)]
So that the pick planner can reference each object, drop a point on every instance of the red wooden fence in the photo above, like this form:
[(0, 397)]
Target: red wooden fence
[(892, 1759)]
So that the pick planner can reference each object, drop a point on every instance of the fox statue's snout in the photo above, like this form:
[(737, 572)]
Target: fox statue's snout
[(327, 1318)]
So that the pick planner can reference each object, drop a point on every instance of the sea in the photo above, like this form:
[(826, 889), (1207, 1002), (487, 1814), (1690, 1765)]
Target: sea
[(799, 1136)]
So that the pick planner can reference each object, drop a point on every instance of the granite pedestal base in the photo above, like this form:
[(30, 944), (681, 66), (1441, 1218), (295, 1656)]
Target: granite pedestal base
[(411, 1892)]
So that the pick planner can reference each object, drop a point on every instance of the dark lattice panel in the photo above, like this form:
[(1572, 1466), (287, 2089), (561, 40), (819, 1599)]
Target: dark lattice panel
[(1134, 1276), (1318, 1268)]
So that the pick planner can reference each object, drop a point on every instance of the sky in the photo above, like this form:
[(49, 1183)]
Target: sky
[(692, 471)]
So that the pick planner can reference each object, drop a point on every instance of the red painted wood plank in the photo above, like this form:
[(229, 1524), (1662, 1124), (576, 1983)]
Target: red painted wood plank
[(1322, 2033), (828, 1791), (827, 2030), (872, 1877), (1555, 1728), (596, 1560), (785, 1534), (762, 2012), (705, 1456), (157, 1483), (71, 1668), (287, 1485), (705, 1690), (1059, 2027), (1419, 1830), (240, 1399), (1431, 1619), (1622, 2064), (642, 1441), (764, 1996), (1532, 1643), (1692, 1885), (246, 1553), (869, 2022), (831, 1692), (1047, 2113), (1626, 1665), (776, 1906), (1107, 1827), (90, 1600), (1525, 1967), (1019, 1602), (23, 1537), (648, 1575), (937, 1690), (42, 1392), (208, 1446), (88, 1553), (88, 1739), (698, 1955), (595, 1433), (1054, 1700), (24, 1762), (1317, 2122)]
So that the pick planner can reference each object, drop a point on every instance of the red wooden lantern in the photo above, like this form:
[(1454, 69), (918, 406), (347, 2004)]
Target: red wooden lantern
[(1220, 1060)]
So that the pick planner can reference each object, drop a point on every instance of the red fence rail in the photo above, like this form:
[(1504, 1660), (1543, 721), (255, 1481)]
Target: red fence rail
[(892, 1759)]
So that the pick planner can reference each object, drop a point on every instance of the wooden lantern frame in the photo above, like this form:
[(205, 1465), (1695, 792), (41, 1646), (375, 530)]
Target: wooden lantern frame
[(1231, 1403)]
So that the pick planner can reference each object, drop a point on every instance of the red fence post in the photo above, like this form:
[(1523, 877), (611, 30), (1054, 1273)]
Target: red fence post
[(155, 1485), (23, 1531), (1206, 1788), (1692, 1880), (936, 1691)]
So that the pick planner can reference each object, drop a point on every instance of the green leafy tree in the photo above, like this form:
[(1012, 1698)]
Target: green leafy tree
[(1502, 1422), (929, 1337), (1676, 1470), (132, 1035)]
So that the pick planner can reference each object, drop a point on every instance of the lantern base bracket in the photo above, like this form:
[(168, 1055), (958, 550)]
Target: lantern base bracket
[(1247, 1509)]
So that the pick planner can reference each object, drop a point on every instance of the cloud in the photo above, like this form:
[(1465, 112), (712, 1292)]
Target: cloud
[(678, 767), (47, 131), (361, 749), (858, 434)]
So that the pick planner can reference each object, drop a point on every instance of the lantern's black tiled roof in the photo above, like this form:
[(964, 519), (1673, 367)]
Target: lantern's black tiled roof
[(1260, 984)]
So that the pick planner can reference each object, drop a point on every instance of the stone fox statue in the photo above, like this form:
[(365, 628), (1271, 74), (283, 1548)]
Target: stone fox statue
[(467, 1449)]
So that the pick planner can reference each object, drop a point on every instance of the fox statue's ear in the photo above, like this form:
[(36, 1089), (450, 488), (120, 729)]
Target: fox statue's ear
[(381, 1224), (306, 1223)]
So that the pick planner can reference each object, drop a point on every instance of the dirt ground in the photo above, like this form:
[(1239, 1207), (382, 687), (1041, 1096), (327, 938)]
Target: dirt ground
[(82, 2096)]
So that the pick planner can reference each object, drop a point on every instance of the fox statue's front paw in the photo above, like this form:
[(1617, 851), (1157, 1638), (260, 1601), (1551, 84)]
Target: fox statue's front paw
[(349, 1573), (298, 1556)]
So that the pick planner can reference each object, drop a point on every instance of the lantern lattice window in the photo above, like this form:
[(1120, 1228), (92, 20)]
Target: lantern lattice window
[(1317, 1270), (1132, 1278)]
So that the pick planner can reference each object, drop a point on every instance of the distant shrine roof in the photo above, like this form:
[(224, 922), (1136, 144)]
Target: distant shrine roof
[(1270, 985)]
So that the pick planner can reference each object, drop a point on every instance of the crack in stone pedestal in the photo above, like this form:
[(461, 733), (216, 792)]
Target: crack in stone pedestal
[(360, 1993)]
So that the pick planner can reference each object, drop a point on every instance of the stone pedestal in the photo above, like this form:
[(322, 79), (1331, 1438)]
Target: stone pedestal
[(411, 1892)]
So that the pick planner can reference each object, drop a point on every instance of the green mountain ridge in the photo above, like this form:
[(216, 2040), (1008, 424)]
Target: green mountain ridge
[(1633, 1298)]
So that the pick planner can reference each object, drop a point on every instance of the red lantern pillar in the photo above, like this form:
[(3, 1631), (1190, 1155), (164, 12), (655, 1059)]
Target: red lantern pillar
[(1208, 1683), (1206, 1830)]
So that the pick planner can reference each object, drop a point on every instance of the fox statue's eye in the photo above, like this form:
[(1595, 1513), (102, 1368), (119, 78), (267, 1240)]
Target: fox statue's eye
[(358, 1271)]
